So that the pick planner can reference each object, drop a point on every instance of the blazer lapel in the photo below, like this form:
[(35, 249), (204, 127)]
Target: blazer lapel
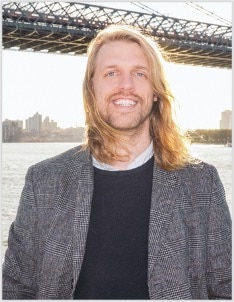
[(164, 191), (82, 215)]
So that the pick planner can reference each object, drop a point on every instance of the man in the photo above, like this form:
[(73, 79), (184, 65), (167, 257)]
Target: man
[(128, 215)]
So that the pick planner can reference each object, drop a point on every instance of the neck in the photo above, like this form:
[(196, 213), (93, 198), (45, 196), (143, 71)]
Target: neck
[(135, 145)]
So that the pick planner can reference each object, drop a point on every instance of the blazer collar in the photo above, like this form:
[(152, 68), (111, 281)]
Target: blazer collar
[(164, 192), (84, 193)]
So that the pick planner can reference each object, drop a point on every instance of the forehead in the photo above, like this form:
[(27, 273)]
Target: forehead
[(120, 51)]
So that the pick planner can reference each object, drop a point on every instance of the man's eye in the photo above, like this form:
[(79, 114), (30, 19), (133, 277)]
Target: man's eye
[(140, 74), (111, 73)]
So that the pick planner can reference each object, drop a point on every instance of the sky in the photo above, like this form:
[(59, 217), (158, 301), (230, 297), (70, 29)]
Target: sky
[(50, 84)]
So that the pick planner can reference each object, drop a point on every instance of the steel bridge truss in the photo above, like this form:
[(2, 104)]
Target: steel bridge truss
[(69, 27)]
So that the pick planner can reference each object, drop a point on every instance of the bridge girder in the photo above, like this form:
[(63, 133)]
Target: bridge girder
[(69, 27)]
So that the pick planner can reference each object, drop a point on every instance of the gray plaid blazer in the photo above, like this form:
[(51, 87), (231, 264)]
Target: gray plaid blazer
[(189, 250)]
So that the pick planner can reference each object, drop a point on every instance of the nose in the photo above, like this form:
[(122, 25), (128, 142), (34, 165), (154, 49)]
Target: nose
[(126, 82)]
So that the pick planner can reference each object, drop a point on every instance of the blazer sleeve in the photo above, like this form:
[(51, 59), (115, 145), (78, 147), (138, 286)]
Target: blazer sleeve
[(19, 268), (219, 243)]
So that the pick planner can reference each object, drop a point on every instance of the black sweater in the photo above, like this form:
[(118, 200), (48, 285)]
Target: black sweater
[(115, 261)]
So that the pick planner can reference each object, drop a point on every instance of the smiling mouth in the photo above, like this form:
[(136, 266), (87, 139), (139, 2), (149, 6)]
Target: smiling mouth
[(125, 102)]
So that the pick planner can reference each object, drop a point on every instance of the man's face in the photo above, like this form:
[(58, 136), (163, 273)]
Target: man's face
[(122, 87)]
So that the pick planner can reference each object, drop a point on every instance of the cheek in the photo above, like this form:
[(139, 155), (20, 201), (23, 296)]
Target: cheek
[(150, 96), (98, 86), (99, 96), (102, 90)]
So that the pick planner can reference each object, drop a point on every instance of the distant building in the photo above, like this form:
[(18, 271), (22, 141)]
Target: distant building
[(226, 120), (34, 123), (49, 126), (12, 130)]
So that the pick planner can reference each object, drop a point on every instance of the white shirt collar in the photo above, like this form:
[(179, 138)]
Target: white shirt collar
[(139, 161)]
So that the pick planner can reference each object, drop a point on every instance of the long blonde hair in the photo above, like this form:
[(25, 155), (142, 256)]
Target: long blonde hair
[(170, 147)]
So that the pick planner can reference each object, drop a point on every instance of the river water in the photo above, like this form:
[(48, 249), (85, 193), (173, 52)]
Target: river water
[(17, 157)]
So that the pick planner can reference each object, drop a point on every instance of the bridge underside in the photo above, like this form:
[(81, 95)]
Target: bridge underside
[(75, 41)]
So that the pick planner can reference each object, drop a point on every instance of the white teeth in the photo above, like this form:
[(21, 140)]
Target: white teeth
[(124, 102)]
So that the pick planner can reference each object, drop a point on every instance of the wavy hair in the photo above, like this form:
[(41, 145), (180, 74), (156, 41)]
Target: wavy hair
[(170, 146)]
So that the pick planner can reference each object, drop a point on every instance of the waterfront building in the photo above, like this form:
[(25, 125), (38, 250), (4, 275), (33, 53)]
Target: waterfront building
[(12, 130), (49, 126), (226, 120), (34, 123)]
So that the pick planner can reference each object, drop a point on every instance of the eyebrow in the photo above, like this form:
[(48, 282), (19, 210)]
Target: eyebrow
[(142, 67)]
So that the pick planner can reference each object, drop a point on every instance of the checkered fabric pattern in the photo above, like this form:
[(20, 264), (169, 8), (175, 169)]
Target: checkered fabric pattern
[(189, 253)]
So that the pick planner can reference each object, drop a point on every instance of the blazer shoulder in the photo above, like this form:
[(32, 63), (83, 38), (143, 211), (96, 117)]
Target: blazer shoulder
[(70, 159), (198, 167), (202, 176)]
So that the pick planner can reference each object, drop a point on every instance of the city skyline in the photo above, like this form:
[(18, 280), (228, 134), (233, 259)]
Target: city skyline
[(225, 119), (38, 130)]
